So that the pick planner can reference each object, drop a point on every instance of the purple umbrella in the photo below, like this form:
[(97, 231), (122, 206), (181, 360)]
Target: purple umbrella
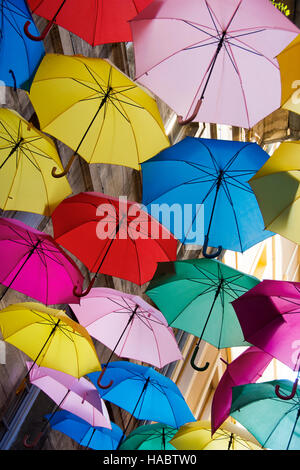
[(34, 264), (78, 396), (246, 368), (127, 325), (269, 315)]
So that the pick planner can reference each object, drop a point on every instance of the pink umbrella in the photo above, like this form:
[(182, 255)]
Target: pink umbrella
[(127, 325), (78, 396), (246, 368), (212, 60), (269, 315), (34, 264)]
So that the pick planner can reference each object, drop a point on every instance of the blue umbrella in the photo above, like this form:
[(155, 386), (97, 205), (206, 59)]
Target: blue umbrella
[(19, 56), (82, 432), (213, 174), (144, 393)]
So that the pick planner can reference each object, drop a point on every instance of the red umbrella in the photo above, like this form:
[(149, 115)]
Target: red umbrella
[(95, 22), (112, 236)]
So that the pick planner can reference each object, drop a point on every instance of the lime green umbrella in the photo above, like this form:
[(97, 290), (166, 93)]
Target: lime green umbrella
[(195, 295), (274, 422), (150, 437)]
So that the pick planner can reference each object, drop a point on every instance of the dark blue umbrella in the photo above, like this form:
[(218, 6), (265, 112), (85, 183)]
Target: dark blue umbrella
[(144, 393), (214, 174), (82, 432), (19, 56)]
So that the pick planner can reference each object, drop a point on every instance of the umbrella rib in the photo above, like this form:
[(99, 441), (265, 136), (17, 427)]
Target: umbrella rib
[(212, 19)]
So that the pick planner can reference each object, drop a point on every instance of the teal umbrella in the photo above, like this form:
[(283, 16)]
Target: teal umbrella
[(274, 422), (195, 295), (150, 437)]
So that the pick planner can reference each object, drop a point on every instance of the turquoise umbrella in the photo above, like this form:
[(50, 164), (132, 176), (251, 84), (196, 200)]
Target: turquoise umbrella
[(274, 422), (195, 295), (150, 437)]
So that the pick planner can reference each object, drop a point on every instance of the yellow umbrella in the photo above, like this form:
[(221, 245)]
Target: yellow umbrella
[(277, 189), (91, 106), (289, 64), (50, 338), (27, 157), (197, 436)]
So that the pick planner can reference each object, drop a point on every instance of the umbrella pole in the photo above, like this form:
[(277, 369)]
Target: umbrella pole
[(90, 439), (294, 427), (16, 275), (193, 358), (219, 249), (23, 383), (83, 294), (182, 121), (143, 391), (60, 175), (112, 353), (40, 434)]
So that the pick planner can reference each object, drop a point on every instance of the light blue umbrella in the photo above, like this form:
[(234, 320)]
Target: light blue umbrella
[(213, 174), (19, 56), (144, 393), (81, 431)]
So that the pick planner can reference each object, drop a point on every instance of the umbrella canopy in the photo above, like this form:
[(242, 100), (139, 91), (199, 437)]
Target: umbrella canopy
[(95, 109), (145, 393), (81, 431), (210, 60), (19, 57), (27, 157), (215, 174), (197, 298), (280, 209), (128, 325), (269, 316), (289, 65), (155, 436), (112, 236), (50, 338), (197, 436), (281, 429), (78, 396), (246, 368), (34, 264), (95, 22)]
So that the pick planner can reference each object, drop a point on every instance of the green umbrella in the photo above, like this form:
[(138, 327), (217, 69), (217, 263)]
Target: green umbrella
[(150, 437), (195, 295), (274, 422)]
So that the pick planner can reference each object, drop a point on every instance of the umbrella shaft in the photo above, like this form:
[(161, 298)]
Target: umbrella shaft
[(45, 344), (105, 98), (123, 332), (142, 393), (210, 311), (13, 150), (212, 65), (16, 275)]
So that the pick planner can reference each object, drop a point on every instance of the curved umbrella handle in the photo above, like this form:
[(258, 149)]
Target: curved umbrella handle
[(86, 292), (99, 379), (29, 445), (66, 170), (210, 255), (42, 35), (14, 79), (183, 122), (287, 397), (193, 364)]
